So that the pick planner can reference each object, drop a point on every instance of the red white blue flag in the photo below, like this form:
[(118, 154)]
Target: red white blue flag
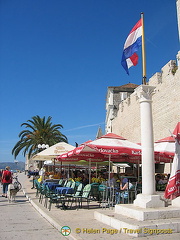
[(131, 46)]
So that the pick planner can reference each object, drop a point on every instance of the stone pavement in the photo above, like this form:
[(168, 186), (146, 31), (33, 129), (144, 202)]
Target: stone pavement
[(30, 220), (19, 220)]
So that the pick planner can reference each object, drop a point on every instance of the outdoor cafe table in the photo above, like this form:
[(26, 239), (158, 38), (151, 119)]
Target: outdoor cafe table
[(52, 185), (64, 190)]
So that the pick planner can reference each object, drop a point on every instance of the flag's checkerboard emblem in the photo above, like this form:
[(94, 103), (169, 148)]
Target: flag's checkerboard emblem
[(65, 231)]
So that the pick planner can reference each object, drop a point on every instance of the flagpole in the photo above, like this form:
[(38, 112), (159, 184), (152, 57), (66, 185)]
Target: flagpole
[(143, 52)]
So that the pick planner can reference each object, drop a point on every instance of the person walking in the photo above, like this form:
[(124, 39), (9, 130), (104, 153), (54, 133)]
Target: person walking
[(6, 180)]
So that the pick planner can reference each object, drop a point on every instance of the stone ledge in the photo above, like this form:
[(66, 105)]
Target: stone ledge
[(142, 214), (137, 228)]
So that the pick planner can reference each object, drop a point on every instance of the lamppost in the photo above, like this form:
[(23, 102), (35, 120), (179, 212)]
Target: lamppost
[(16, 162), (42, 147)]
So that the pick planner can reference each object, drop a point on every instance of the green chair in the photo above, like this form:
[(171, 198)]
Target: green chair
[(85, 197), (73, 197), (73, 185), (42, 192), (63, 199), (48, 194), (59, 198), (37, 186), (61, 182), (103, 195), (69, 183), (54, 198), (95, 191), (65, 183)]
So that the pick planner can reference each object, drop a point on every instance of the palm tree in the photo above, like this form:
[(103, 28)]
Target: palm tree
[(38, 131)]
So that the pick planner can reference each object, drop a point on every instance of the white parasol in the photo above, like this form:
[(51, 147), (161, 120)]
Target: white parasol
[(52, 152), (164, 149)]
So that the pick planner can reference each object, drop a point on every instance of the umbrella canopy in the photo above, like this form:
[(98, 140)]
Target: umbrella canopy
[(118, 147), (173, 187), (99, 150), (53, 151), (164, 149), (83, 152), (109, 147)]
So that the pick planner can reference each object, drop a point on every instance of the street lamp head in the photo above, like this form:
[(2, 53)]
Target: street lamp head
[(43, 145), (39, 145)]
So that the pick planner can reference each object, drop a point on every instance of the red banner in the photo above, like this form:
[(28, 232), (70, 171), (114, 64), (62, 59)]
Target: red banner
[(173, 187)]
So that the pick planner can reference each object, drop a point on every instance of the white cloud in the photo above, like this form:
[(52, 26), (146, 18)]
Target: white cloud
[(86, 126)]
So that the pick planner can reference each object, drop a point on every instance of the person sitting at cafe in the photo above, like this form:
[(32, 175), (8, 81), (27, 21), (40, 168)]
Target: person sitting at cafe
[(162, 180), (125, 185), (85, 180), (112, 180), (157, 178)]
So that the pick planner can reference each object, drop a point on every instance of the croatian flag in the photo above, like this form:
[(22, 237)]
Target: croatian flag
[(131, 46)]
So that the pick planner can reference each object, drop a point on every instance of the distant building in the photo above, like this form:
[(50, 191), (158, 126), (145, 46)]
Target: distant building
[(115, 95), (30, 164), (99, 133)]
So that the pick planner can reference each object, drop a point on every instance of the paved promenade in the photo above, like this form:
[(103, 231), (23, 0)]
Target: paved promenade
[(27, 218), (19, 220)]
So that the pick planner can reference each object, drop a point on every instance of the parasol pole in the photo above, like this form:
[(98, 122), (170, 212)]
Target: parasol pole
[(138, 170), (54, 166), (170, 165), (143, 52), (109, 168), (68, 171), (89, 170), (96, 169), (61, 169)]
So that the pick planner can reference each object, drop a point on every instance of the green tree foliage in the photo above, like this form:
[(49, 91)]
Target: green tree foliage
[(38, 131)]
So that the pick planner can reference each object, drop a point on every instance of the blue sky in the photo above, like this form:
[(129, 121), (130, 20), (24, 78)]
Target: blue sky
[(57, 58)]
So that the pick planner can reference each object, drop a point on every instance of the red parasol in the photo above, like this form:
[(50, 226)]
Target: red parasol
[(118, 147), (173, 187), (100, 149)]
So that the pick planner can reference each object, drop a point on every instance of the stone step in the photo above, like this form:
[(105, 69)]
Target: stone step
[(137, 228), (142, 214)]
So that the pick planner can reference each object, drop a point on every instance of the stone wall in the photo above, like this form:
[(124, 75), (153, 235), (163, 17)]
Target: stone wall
[(165, 106)]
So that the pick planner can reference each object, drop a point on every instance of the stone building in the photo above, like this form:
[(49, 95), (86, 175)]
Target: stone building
[(115, 95)]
